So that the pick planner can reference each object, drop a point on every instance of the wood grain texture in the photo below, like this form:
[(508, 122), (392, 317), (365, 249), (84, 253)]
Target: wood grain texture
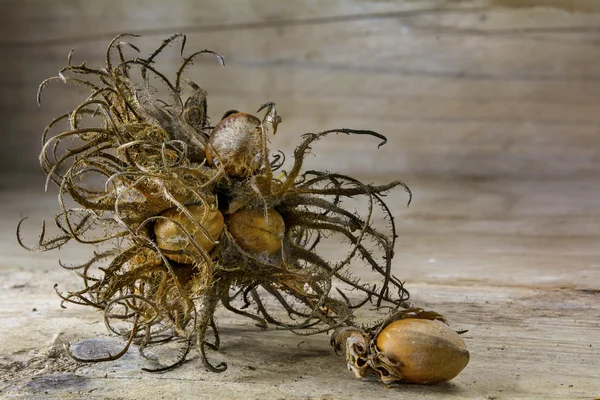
[(461, 88), (513, 261)]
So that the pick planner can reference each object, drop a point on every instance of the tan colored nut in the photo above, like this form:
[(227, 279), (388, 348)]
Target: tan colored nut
[(169, 236), (255, 234), (424, 351), (236, 143)]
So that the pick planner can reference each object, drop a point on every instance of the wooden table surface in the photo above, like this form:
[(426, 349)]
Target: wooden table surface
[(514, 262)]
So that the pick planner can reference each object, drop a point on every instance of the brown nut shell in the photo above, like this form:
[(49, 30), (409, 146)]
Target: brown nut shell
[(426, 351), (236, 142), (255, 234), (169, 236)]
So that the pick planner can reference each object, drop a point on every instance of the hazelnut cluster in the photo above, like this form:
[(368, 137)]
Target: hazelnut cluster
[(189, 216)]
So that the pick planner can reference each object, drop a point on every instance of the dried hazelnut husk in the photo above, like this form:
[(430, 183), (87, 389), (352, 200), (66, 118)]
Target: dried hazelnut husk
[(171, 237), (410, 346), (257, 231), (235, 144)]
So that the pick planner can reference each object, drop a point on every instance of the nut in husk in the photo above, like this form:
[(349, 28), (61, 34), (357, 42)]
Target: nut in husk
[(421, 351), (235, 143), (408, 347), (177, 231), (257, 231)]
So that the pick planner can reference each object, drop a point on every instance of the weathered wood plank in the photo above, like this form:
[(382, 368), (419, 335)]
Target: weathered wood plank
[(513, 261), (468, 89)]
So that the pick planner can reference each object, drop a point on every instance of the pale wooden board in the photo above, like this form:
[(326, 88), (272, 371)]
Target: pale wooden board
[(461, 88), (513, 261)]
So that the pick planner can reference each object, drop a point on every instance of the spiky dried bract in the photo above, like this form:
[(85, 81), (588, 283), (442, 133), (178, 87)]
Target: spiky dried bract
[(131, 152)]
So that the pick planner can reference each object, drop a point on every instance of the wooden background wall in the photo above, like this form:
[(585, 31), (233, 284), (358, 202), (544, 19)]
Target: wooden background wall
[(461, 88)]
